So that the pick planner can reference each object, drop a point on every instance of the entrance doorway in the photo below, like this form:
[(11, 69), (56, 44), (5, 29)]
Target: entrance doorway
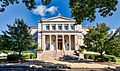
[(60, 44)]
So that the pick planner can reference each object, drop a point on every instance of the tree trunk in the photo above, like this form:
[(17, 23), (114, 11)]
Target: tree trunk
[(19, 56), (102, 57)]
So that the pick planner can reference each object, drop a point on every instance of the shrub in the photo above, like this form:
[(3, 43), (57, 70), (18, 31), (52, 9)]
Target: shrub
[(29, 55), (91, 56), (80, 50), (32, 56), (13, 57), (40, 50), (26, 55), (111, 58)]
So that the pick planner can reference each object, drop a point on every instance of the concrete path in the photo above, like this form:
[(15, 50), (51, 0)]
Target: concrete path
[(80, 65)]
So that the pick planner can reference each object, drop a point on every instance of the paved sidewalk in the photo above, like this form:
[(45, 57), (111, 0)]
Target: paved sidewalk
[(80, 65)]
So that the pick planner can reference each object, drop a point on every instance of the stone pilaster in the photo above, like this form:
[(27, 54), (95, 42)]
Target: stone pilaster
[(69, 42)]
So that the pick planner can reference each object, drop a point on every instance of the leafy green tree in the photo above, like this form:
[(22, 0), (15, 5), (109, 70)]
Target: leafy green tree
[(4, 43), (86, 9), (30, 4), (99, 40), (96, 38), (18, 37), (113, 44), (81, 9)]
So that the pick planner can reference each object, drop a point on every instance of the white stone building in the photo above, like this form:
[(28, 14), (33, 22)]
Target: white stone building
[(59, 36)]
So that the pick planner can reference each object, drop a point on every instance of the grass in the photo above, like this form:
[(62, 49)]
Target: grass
[(118, 60), (3, 60), (3, 57)]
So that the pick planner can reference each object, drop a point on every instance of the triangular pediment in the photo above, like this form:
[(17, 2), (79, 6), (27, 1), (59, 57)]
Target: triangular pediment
[(58, 18)]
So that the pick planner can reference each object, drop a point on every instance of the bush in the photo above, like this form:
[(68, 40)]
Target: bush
[(91, 56), (111, 58), (80, 50), (40, 50), (13, 57), (29, 55)]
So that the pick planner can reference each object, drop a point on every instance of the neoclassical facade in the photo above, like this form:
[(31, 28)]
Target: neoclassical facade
[(59, 34)]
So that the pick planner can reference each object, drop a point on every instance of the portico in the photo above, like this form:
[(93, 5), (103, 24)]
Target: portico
[(59, 42)]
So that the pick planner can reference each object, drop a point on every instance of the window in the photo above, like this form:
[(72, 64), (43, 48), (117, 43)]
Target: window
[(66, 27), (72, 27), (60, 27), (47, 27), (53, 27)]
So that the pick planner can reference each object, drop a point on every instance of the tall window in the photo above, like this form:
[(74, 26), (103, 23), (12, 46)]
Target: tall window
[(66, 27), (53, 27), (60, 27), (47, 27), (72, 27)]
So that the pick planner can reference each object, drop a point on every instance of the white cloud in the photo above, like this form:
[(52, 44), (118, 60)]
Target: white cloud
[(52, 9), (41, 10)]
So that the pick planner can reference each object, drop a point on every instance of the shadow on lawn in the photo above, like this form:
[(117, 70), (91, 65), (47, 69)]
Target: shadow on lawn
[(3, 61), (78, 61), (32, 65), (47, 66)]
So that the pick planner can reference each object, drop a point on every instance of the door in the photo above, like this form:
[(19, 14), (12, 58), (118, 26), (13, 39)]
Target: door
[(60, 44)]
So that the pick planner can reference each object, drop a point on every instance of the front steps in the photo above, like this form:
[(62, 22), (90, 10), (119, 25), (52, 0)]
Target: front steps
[(49, 54)]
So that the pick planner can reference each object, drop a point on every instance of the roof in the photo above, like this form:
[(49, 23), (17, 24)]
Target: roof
[(58, 18)]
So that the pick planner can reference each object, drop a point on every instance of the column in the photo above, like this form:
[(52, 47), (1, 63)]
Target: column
[(69, 42), (56, 26), (69, 27), (75, 42), (62, 26), (56, 42), (63, 45), (63, 42), (43, 42), (50, 27), (50, 41)]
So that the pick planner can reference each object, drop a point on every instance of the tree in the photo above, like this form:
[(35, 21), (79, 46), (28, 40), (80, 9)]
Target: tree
[(113, 44), (81, 9), (18, 37), (99, 40), (96, 38), (30, 4), (86, 9)]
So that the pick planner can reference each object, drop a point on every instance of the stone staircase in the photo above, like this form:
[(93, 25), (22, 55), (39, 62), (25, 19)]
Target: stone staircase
[(53, 54)]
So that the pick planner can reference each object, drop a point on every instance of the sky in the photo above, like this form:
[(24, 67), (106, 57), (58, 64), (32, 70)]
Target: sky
[(19, 11)]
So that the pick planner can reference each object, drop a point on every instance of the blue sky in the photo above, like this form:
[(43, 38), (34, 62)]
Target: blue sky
[(55, 7)]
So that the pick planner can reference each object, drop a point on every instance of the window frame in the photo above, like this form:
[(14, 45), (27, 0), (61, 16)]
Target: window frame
[(47, 27), (71, 26), (54, 27), (59, 27), (66, 27)]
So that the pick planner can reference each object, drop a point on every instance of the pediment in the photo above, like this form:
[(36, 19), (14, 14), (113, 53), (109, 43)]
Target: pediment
[(58, 18)]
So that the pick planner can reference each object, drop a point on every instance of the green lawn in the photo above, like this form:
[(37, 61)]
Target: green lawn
[(3, 57), (3, 60), (118, 60)]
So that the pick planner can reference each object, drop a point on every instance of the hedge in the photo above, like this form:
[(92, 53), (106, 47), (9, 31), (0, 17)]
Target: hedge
[(111, 58), (29, 55), (97, 57), (15, 57), (91, 56)]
